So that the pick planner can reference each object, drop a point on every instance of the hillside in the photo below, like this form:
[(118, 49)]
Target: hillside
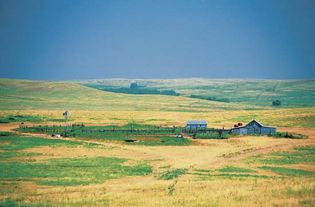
[(108, 161), (25, 94), (46, 101), (292, 93)]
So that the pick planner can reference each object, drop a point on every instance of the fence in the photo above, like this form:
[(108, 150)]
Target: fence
[(86, 130)]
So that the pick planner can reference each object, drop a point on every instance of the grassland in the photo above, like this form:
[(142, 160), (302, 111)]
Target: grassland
[(91, 172), (22, 94), (46, 101), (292, 93), (132, 133), (38, 170)]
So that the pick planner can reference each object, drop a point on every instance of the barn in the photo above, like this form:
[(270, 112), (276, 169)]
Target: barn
[(254, 127), (196, 124)]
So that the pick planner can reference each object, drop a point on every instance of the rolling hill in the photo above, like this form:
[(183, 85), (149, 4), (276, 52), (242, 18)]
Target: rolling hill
[(46, 100), (25, 94), (292, 93)]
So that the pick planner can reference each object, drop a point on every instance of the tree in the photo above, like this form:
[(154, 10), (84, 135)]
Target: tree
[(133, 85), (276, 103)]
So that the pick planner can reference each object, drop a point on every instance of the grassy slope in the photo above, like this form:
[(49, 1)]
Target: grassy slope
[(292, 93), (47, 100), (24, 94), (280, 179)]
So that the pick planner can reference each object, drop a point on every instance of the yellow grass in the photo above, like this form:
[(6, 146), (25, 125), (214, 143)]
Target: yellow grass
[(22, 94), (95, 107), (219, 118), (149, 192), (187, 190)]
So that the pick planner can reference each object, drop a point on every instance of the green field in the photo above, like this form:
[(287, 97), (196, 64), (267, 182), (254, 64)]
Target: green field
[(43, 101), (65, 171), (292, 93), (22, 94), (131, 134), (24, 163)]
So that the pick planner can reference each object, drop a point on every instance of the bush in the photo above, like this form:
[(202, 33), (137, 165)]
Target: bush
[(211, 135), (133, 85), (288, 135), (5, 134), (169, 175), (276, 103), (21, 118), (135, 89), (210, 98)]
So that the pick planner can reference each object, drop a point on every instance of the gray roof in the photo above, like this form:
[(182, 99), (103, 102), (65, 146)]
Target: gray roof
[(254, 120), (196, 122)]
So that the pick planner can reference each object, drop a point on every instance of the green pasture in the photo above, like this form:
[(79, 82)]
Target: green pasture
[(130, 134), (71, 171), (292, 93), (47, 95), (13, 142), (61, 171)]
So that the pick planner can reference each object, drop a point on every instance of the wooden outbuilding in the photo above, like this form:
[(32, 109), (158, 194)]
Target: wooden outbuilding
[(196, 124), (254, 127)]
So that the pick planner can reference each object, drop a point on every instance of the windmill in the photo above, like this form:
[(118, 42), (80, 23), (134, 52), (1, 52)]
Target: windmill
[(66, 115)]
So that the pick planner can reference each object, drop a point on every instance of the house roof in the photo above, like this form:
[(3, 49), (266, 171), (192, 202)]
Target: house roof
[(196, 122), (254, 120)]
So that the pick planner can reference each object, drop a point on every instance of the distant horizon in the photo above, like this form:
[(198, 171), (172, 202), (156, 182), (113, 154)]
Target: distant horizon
[(14, 76), (178, 78)]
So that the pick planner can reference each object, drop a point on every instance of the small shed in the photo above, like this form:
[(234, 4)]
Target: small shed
[(254, 127), (196, 124)]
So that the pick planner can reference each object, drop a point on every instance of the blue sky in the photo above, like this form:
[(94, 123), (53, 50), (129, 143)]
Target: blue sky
[(76, 39)]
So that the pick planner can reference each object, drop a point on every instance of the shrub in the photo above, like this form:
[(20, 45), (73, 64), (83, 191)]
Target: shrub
[(276, 103), (135, 89), (133, 85), (169, 175), (21, 118), (210, 98), (211, 135), (288, 135)]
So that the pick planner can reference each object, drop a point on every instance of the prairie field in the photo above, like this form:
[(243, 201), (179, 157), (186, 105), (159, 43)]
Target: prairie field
[(37, 169)]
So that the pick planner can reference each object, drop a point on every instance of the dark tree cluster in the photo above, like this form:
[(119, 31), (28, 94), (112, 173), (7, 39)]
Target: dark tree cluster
[(134, 88), (276, 103)]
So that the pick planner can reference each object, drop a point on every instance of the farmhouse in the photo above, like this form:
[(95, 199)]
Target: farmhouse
[(253, 127), (196, 124)]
